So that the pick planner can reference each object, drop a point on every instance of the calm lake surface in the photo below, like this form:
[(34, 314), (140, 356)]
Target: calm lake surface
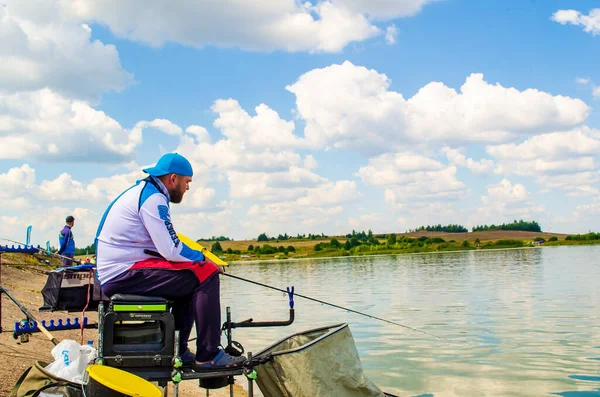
[(522, 322)]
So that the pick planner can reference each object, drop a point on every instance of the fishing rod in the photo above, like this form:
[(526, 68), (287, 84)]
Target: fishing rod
[(44, 250), (154, 253), (336, 306), (29, 316)]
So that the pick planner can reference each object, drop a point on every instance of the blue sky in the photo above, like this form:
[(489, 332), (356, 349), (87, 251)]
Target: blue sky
[(346, 114)]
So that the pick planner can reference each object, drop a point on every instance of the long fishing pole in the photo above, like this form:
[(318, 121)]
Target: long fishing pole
[(154, 253), (42, 249), (336, 306)]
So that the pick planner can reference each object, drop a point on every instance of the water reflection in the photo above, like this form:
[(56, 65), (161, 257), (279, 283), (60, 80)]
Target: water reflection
[(520, 322), (585, 381)]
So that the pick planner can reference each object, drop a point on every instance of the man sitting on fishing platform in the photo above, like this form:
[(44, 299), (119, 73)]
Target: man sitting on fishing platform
[(136, 226)]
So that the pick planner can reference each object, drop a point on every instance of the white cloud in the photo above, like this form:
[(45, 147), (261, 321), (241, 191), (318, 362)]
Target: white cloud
[(19, 185), (227, 154), (200, 133), (47, 222), (582, 80), (391, 32), (390, 197), (585, 81), (310, 163), (397, 168), (506, 201), (555, 145), (285, 211), (330, 193), (412, 178), (483, 166), (252, 25), (584, 191), (200, 197), (64, 188), (347, 106), (574, 183), (274, 186), (426, 213), (351, 106), (439, 185), (587, 210), (590, 22), (505, 192), (48, 126), (265, 130), (313, 207), (489, 110), (163, 125), (281, 217), (557, 152), (16, 181), (365, 222), (385, 9), (589, 83), (288, 25), (42, 48), (114, 185)]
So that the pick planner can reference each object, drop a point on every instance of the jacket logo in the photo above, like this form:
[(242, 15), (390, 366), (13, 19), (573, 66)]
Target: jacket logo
[(163, 212)]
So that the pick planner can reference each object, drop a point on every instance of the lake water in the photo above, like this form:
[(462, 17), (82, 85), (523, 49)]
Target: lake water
[(521, 322)]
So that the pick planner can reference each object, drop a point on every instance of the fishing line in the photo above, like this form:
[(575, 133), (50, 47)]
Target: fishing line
[(154, 253), (336, 306)]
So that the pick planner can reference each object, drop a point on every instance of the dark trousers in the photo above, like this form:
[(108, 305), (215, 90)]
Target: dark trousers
[(65, 262), (193, 302)]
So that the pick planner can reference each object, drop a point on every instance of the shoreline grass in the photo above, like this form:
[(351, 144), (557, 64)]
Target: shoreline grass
[(406, 245), (410, 243)]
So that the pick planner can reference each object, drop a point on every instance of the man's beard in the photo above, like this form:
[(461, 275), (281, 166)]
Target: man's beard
[(176, 196)]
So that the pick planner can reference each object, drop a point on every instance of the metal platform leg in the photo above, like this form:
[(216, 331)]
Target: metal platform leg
[(176, 384), (100, 359), (250, 384)]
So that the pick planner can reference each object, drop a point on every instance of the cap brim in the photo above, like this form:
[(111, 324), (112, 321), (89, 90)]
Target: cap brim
[(154, 171)]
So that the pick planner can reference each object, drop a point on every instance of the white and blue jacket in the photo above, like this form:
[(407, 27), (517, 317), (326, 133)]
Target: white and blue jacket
[(139, 219)]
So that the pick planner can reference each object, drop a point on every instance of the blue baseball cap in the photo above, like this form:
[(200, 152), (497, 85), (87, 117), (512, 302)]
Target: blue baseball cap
[(171, 163)]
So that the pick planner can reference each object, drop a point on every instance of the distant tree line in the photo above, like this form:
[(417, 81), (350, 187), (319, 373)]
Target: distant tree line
[(215, 238), (265, 249), (370, 240), (584, 237), (89, 250), (282, 237), (361, 236), (532, 226), (440, 228)]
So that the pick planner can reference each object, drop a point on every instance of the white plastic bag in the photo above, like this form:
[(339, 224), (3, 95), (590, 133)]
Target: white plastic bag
[(71, 359)]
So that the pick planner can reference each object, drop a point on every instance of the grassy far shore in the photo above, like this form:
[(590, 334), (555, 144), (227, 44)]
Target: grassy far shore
[(406, 243), (234, 251)]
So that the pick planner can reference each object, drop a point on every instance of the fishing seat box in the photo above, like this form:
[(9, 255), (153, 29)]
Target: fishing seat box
[(138, 335), (67, 289)]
